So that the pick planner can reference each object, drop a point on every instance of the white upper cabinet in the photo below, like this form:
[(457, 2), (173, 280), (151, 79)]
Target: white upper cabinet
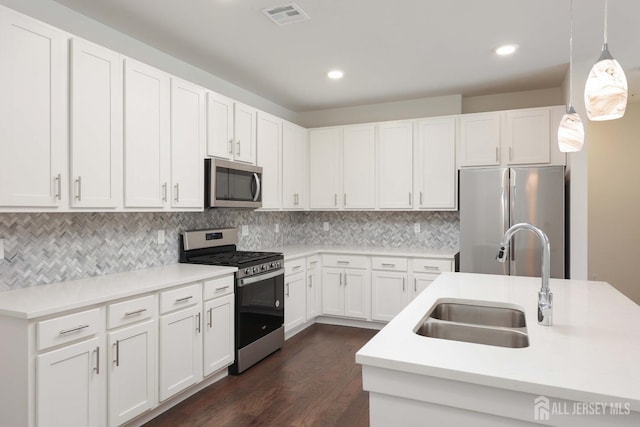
[(146, 136), (270, 159), (95, 126), (324, 168), (527, 136), (358, 153), (244, 132), (395, 165), (187, 144), (219, 126), (480, 139), (33, 146), (294, 171), (435, 164)]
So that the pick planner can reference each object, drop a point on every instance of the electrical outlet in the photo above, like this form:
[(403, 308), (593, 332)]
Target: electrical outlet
[(416, 227), (325, 226), (277, 228), (245, 230), (1, 248), (161, 237)]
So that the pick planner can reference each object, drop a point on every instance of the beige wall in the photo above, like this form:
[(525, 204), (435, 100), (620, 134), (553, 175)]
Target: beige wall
[(513, 100), (614, 202)]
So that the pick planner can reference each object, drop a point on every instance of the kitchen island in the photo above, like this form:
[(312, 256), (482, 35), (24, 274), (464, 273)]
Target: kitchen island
[(582, 371)]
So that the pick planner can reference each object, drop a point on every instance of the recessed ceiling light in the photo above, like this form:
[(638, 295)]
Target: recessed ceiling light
[(506, 50), (335, 74)]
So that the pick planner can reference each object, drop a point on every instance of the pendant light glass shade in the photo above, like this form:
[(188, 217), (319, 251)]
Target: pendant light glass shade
[(570, 132), (571, 129), (605, 93)]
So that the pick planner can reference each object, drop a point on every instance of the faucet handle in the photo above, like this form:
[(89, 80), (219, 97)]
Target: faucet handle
[(502, 253)]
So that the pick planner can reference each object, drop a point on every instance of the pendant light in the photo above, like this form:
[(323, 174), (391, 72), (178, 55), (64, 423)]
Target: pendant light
[(571, 130), (605, 94)]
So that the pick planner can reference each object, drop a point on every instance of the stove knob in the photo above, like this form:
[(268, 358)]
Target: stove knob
[(272, 265), (263, 267), (247, 271), (255, 269)]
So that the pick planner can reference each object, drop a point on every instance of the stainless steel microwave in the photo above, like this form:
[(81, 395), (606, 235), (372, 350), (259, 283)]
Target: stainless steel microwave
[(232, 185)]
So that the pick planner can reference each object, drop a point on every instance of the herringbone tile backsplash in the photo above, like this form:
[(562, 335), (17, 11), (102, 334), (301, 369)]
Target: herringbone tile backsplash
[(46, 248)]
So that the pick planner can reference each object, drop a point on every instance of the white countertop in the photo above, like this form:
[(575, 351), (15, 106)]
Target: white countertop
[(298, 251), (590, 354), (37, 301)]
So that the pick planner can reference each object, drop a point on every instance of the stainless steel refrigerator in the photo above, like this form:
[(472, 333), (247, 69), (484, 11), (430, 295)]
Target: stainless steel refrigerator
[(492, 200)]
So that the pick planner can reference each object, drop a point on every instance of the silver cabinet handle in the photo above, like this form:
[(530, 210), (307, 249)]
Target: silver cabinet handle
[(431, 267), (341, 279), (184, 299), (238, 145), (342, 262), (79, 188), (345, 279), (97, 368), (222, 288), (198, 322), (310, 281), (177, 192), (388, 265), (77, 328), (335, 199), (496, 154), (287, 293), (210, 318), (415, 285), (403, 284), (164, 192), (58, 180), (117, 344), (294, 199), (230, 147), (345, 199), (138, 311), (421, 198), (297, 267), (409, 198)]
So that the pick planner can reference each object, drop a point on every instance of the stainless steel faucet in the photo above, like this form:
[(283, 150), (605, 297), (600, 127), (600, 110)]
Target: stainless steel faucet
[(545, 297)]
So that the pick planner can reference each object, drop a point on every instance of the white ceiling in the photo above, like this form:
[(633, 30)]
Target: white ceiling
[(389, 50)]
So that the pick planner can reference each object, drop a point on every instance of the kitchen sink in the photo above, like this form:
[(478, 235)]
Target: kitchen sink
[(480, 323), (501, 337), (479, 315)]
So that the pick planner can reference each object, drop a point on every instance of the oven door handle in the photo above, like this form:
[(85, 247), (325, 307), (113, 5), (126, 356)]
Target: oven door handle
[(261, 277)]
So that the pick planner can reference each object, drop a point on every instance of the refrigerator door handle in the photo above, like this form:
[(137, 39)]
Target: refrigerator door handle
[(506, 212), (512, 213)]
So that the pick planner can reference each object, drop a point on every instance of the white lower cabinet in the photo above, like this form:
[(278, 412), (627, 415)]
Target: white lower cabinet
[(314, 285), (70, 384), (345, 292), (389, 294), (218, 333), (295, 301), (420, 282), (132, 371)]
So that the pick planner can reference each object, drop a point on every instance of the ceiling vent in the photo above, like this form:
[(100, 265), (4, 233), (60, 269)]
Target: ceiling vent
[(286, 14)]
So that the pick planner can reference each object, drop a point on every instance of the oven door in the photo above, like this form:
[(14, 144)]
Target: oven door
[(259, 306)]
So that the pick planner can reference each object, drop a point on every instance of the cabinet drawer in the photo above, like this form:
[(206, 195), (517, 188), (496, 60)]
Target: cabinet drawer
[(313, 262), (426, 265), (218, 287), (294, 266), (389, 263), (345, 261), (185, 296), (125, 312), (68, 328)]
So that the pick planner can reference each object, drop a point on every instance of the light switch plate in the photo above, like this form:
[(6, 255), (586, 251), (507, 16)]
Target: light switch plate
[(325, 226), (277, 228), (1, 248), (416, 227), (245, 230), (161, 237)]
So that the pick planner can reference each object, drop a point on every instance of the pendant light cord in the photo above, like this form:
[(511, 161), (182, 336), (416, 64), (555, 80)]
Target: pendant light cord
[(570, 54), (606, 20)]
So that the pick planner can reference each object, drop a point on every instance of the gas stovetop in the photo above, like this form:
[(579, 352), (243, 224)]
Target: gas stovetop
[(234, 258)]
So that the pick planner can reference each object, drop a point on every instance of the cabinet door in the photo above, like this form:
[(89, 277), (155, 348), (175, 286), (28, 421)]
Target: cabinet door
[(269, 157), (180, 351), (219, 126), (395, 165), (295, 305), (389, 294), (95, 126), (294, 194), (218, 333), (69, 385), (358, 167), (132, 371), (527, 136), (357, 293), (313, 292), (480, 139), (244, 133), (187, 142), (324, 168), (332, 292), (146, 136), (419, 283), (33, 113), (436, 164)]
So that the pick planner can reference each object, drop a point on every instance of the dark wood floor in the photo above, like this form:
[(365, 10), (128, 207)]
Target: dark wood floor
[(312, 381)]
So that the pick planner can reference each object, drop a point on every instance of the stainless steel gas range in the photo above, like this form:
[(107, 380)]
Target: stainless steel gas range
[(259, 291)]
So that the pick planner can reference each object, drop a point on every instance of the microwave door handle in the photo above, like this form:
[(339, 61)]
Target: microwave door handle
[(257, 195)]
